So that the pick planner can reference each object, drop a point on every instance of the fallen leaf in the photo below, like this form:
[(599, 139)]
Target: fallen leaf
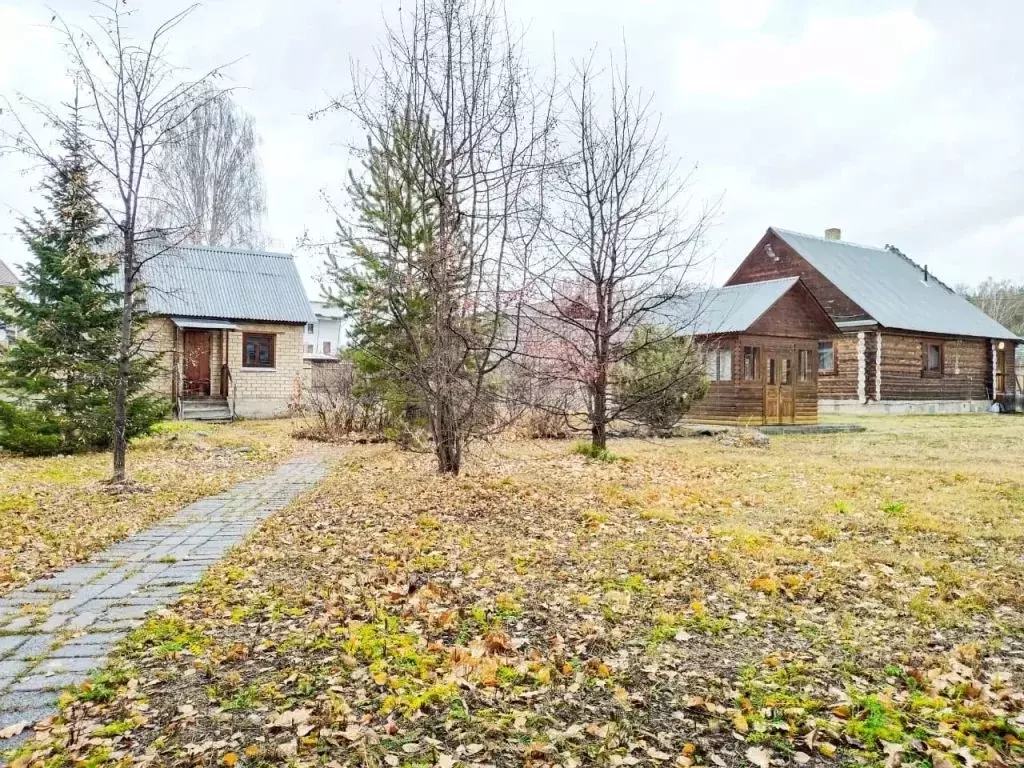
[(759, 757), (13, 730)]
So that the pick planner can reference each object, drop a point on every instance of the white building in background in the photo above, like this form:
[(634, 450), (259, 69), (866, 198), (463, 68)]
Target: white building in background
[(326, 336), (7, 280)]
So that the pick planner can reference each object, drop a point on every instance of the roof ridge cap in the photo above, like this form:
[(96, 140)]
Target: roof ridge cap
[(781, 231)]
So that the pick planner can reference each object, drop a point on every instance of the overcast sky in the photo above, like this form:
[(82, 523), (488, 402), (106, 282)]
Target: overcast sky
[(900, 122)]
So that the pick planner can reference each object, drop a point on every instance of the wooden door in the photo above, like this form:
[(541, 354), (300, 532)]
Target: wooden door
[(771, 389), (1000, 372), (197, 363), (787, 389)]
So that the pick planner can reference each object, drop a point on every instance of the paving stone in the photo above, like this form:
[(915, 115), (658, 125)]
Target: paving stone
[(110, 595), (40, 682), (11, 668), (54, 622), (33, 647), (78, 664), (20, 624), (10, 643), (120, 612), (97, 637)]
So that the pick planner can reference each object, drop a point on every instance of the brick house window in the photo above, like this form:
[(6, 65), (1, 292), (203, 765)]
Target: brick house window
[(258, 350), (310, 328), (826, 357), (931, 359), (751, 363)]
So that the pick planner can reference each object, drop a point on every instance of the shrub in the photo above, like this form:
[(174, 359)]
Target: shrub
[(661, 378), (30, 432)]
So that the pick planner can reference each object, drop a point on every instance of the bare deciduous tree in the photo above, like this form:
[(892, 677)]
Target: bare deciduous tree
[(622, 245), (207, 178), (1002, 300), (135, 101), (451, 72)]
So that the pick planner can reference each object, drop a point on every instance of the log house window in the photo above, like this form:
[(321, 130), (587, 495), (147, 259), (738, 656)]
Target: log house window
[(931, 359), (803, 365), (787, 371), (751, 363), (771, 371), (718, 364), (826, 357), (257, 350)]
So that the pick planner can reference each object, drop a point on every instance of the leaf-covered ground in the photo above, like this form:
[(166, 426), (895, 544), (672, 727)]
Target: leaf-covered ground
[(57, 511), (828, 600)]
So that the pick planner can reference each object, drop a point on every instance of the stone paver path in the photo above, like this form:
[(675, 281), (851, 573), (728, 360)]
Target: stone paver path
[(55, 630)]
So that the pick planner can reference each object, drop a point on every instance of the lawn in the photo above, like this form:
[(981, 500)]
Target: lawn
[(827, 600), (57, 511)]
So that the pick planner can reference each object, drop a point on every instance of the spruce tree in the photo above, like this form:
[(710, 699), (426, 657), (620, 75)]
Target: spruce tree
[(60, 369)]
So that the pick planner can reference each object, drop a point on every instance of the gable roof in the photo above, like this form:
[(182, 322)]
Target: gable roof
[(891, 288), (731, 309), (228, 283), (7, 276)]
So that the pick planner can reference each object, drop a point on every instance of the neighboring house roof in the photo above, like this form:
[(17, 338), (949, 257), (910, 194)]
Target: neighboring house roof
[(731, 309), (891, 288), (205, 281), (7, 276), (321, 309)]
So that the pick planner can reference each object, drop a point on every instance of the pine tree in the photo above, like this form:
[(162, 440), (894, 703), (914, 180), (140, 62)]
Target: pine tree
[(61, 368), (381, 288)]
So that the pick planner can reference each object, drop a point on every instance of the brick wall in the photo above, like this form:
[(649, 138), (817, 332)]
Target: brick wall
[(265, 392), (255, 392)]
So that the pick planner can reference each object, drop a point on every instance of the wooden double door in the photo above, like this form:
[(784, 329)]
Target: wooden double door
[(779, 389)]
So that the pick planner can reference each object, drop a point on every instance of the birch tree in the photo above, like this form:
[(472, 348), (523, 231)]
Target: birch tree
[(208, 179)]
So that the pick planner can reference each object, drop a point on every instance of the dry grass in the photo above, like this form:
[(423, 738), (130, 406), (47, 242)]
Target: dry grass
[(848, 599), (57, 511)]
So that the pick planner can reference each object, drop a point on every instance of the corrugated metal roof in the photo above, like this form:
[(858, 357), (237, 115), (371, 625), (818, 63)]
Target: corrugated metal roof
[(731, 309), (7, 276), (892, 290), (209, 282)]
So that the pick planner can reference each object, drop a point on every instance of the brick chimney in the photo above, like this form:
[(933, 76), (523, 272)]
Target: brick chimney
[(833, 233)]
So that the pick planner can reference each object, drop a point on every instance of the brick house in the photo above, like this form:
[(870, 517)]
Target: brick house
[(228, 327), (907, 343)]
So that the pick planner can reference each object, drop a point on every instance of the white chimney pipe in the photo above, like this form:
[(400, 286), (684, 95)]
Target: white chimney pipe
[(833, 233)]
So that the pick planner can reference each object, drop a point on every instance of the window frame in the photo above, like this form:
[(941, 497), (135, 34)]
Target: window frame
[(926, 371), (835, 359), (713, 368), (271, 339), (754, 355), (803, 365)]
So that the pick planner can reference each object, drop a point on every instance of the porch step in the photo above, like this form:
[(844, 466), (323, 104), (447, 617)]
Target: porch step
[(210, 409)]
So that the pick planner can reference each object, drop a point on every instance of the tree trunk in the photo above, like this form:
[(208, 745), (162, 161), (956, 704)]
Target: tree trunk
[(598, 422), (447, 438), (120, 441)]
